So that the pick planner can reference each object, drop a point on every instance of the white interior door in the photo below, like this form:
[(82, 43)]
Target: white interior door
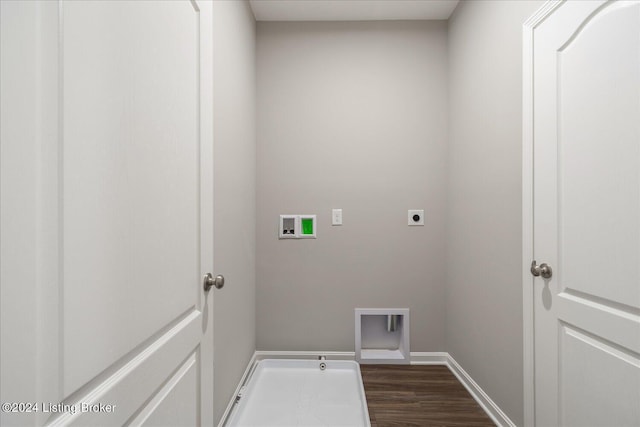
[(107, 212), (586, 214)]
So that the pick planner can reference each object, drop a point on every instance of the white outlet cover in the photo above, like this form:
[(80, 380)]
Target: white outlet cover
[(412, 213)]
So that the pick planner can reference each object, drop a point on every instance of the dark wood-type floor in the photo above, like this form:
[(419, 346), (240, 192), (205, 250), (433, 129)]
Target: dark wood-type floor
[(419, 395)]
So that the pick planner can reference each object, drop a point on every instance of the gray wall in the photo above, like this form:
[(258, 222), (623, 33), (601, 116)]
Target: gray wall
[(374, 118), (484, 291), (351, 115), (234, 210)]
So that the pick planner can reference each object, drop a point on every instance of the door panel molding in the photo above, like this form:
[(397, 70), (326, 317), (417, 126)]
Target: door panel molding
[(614, 377), (586, 22), (185, 379), (593, 315), (143, 373)]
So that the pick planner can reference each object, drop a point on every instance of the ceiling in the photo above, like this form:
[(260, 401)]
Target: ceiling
[(351, 10)]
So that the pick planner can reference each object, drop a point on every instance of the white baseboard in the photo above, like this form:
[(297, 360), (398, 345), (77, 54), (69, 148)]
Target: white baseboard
[(490, 407), (245, 377), (417, 358), (429, 358)]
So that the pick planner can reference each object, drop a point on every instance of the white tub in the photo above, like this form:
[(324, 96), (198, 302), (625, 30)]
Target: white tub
[(298, 393)]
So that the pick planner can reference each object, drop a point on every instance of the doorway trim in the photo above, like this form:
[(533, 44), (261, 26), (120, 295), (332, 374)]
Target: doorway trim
[(528, 29)]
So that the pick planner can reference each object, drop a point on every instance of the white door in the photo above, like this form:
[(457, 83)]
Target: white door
[(107, 203), (586, 214)]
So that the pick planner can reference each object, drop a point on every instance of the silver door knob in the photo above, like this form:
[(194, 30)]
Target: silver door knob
[(209, 281), (543, 270)]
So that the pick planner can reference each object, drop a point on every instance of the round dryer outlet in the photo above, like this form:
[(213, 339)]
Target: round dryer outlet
[(416, 217)]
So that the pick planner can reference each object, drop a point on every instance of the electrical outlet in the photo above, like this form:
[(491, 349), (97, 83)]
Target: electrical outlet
[(416, 217)]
